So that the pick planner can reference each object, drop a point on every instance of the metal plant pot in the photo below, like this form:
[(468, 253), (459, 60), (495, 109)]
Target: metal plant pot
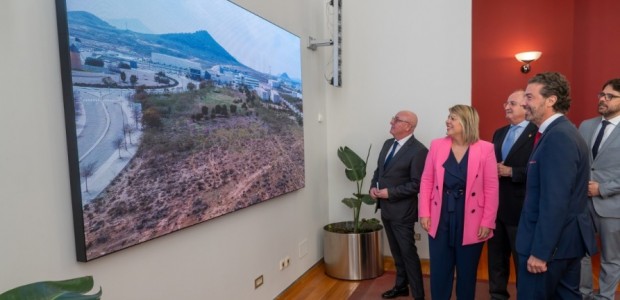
[(353, 256)]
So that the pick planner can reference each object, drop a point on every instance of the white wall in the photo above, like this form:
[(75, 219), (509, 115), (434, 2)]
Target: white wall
[(399, 54), (405, 54)]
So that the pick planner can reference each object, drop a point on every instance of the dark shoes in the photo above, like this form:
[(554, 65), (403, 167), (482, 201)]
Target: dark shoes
[(395, 292)]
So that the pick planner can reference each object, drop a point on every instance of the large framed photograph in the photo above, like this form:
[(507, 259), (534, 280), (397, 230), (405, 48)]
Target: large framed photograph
[(177, 112)]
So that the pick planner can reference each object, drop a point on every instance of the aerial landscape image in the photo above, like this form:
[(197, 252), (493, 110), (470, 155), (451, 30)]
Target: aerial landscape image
[(184, 111)]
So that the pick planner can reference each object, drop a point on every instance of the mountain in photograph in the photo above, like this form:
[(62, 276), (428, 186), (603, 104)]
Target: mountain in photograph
[(134, 25), (198, 45)]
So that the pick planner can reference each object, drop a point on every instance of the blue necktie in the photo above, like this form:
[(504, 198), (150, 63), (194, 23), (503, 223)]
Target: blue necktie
[(599, 138), (390, 155), (509, 141)]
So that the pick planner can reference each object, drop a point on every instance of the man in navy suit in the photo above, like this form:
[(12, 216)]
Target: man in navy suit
[(513, 146), (555, 230), (396, 184)]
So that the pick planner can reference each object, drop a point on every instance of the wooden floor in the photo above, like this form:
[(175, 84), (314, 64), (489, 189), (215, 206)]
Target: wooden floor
[(314, 284)]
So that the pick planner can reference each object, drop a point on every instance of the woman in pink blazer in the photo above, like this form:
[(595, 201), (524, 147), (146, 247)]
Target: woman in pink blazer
[(458, 203)]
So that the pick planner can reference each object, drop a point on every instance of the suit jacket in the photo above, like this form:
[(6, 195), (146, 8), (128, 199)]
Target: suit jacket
[(512, 189), (605, 169), (402, 179), (554, 221), (481, 198)]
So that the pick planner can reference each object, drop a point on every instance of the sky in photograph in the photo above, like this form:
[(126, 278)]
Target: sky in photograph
[(252, 40)]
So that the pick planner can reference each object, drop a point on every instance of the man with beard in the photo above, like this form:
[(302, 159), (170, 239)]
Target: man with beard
[(603, 138), (555, 230)]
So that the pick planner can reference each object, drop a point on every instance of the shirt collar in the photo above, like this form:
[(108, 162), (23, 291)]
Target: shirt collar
[(546, 123), (403, 140), (614, 121)]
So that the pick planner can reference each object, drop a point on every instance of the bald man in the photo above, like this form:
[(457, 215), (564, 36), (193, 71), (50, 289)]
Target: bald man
[(395, 184), (513, 146)]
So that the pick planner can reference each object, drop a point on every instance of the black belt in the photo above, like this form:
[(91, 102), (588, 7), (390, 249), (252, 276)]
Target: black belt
[(458, 192)]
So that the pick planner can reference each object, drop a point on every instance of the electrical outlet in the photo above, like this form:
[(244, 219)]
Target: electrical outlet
[(258, 282), (282, 266), (287, 261), (417, 236)]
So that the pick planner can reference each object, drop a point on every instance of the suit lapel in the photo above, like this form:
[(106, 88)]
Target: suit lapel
[(403, 149), (547, 130), (612, 137), (590, 133), (473, 162), (527, 134), (384, 153), (500, 141)]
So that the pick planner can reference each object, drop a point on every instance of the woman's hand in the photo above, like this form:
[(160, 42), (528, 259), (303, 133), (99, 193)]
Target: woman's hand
[(425, 223), (483, 232)]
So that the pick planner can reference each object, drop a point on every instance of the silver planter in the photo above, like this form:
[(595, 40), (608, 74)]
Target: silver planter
[(353, 256)]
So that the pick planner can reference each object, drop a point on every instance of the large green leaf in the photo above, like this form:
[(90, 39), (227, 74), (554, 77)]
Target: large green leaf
[(72, 289), (350, 202), (355, 166), (367, 199)]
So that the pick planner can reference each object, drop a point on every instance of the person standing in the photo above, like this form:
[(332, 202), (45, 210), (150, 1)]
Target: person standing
[(513, 146), (395, 184), (458, 203), (603, 137), (555, 230)]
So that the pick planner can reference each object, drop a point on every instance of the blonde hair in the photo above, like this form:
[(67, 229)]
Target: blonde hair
[(468, 116)]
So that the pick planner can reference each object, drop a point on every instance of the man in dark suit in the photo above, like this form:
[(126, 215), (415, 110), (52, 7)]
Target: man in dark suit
[(603, 137), (555, 230), (513, 146), (395, 184)]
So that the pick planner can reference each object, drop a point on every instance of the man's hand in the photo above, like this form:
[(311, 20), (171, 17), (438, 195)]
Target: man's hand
[(376, 193), (593, 190), (503, 170), (373, 193), (535, 265)]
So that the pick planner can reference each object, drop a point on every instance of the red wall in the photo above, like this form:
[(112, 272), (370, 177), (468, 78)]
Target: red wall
[(578, 39)]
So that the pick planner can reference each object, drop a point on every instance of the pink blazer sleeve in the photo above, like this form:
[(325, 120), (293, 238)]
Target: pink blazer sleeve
[(491, 187), (427, 182)]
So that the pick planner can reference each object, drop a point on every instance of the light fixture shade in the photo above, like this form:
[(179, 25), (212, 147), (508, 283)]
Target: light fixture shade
[(528, 57)]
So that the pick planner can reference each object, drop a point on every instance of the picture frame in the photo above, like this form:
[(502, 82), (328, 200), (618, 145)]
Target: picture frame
[(176, 112)]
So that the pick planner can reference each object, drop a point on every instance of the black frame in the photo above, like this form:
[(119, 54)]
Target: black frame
[(291, 175)]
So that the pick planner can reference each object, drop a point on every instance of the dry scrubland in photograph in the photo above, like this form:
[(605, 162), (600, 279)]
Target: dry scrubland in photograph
[(204, 153)]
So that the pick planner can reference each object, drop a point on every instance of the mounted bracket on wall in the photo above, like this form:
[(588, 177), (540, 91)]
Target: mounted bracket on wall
[(314, 43), (335, 41)]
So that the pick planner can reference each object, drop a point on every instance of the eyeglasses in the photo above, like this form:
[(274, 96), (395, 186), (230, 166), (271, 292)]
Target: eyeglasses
[(395, 119), (607, 96), (510, 103)]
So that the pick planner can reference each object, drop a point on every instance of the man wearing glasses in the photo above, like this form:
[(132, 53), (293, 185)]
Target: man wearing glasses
[(513, 146), (603, 137), (395, 185)]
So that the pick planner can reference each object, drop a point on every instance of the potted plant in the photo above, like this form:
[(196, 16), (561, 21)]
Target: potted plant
[(353, 250), (74, 289)]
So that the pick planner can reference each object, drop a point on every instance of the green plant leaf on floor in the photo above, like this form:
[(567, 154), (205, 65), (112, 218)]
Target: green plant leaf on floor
[(72, 289)]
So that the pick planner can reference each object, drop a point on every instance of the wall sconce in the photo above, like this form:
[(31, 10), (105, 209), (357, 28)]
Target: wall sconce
[(526, 58)]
